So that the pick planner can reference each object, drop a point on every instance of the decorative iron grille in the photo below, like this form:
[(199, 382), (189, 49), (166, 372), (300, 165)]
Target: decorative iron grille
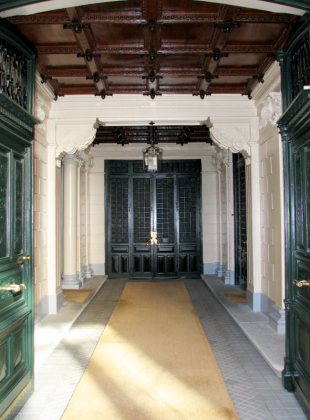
[(300, 65), (13, 73)]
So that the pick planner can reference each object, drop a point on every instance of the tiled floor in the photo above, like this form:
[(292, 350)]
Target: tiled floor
[(254, 388)]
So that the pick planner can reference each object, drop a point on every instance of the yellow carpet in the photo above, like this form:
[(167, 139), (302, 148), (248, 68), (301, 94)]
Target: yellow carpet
[(76, 295), (152, 362), (237, 296)]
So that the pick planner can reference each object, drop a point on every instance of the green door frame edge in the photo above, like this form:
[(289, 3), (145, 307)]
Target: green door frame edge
[(11, 4)]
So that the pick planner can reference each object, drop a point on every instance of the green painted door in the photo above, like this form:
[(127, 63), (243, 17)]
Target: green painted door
[(295, 127), (16, 313), (300, 291), (17, 64)]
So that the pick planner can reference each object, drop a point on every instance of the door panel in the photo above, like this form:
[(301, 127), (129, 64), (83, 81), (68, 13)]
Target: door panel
[(301, 264), (138, 203), (16, 312), (240, 220)]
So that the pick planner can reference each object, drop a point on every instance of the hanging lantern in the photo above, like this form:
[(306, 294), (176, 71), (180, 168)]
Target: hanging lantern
[(152, 157)]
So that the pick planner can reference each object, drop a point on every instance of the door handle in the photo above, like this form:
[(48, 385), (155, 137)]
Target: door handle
[(14, 288), (301, 283), (21, 260)]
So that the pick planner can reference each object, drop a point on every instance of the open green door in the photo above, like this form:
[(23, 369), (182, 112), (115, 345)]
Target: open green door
[(16, 217)]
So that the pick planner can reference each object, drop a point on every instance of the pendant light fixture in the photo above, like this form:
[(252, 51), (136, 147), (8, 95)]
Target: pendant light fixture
[(152, 155)]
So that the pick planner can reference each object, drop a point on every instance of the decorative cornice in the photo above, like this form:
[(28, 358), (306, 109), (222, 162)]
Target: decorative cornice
[(234, 137), (71, 140), (272, 84)]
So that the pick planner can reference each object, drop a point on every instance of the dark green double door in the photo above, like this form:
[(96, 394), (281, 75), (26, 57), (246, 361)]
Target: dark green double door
[(138, 203), (295, 126)]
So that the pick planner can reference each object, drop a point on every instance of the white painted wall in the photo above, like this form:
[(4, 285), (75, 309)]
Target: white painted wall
[(271, 191), (40, 215), (272, 214)]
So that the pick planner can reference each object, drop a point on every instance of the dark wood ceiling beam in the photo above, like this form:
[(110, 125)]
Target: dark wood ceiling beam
[(265, 18), (236, 71), (130, 17), (219, 40), (246, 49), (128, 72), (87, 42), (67, 72), (228, 88), (120, 49), (197, 17), (52, 18), (77, 90), (58, 49)]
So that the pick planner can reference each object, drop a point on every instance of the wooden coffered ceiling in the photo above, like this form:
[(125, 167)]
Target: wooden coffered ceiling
[(155, 47)]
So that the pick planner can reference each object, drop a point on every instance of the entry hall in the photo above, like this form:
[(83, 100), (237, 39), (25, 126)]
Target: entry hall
[(154, 209)]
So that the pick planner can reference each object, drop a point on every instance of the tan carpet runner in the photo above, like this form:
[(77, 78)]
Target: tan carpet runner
[(76, 295), (236, 296), (152, 362)]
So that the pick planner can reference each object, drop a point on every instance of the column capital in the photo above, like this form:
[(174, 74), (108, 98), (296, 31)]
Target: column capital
[(85, 160), (70, 159), (233, 137), (73, 139), (220, 158)]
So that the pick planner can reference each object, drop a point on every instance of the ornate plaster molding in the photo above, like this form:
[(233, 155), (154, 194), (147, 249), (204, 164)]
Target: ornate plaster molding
[(271, 110), (220, 158), (85, 160), (234, 137), (40, 113), (71, 140)]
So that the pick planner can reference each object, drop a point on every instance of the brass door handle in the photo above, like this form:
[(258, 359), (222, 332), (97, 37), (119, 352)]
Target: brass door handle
[(14, 288), (26, 258), (301, 283)]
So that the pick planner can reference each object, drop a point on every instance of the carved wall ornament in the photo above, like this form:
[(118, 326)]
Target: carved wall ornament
[(70, 140), (271, 111), (40, 113), (235, 138), (85, 161), (220, 158)]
